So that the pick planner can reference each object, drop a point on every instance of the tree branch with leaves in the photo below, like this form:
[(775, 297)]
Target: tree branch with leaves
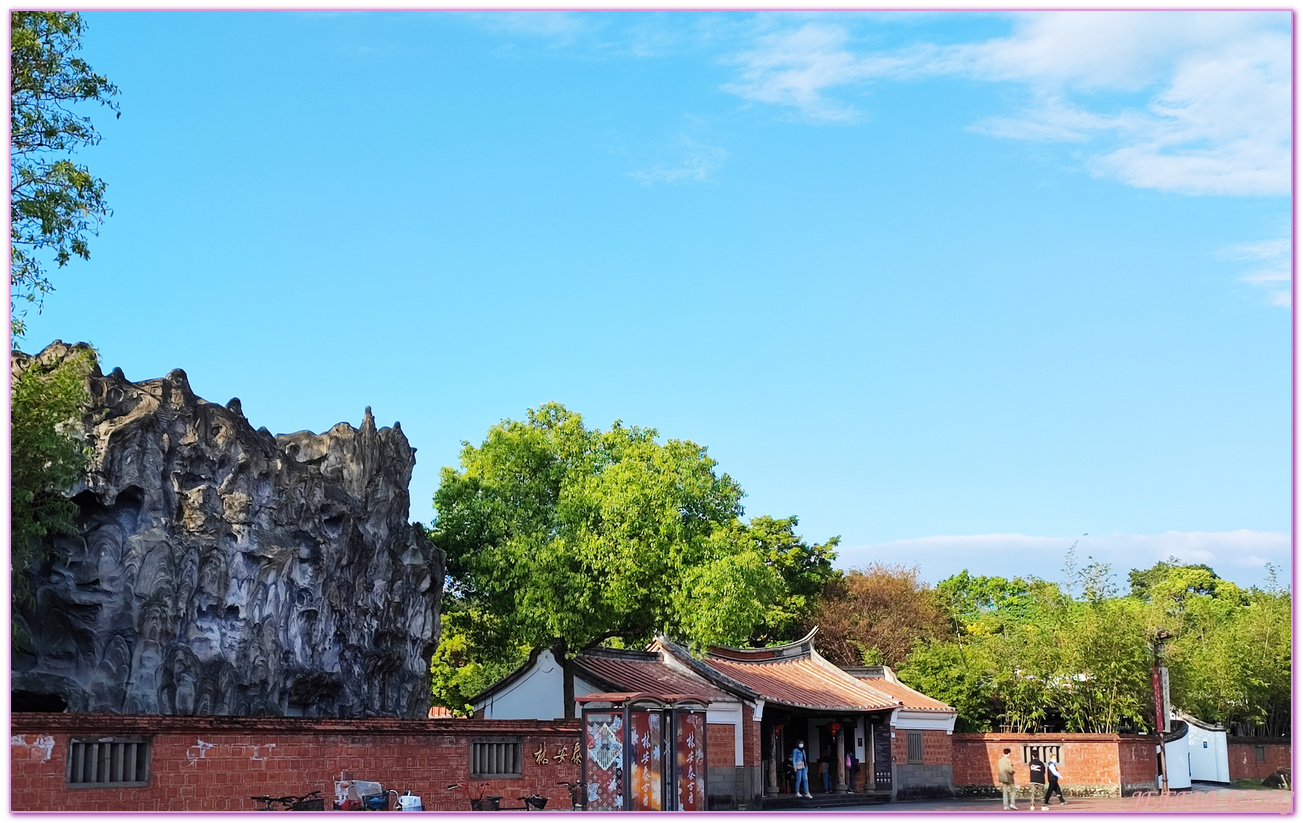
[(55, 204)]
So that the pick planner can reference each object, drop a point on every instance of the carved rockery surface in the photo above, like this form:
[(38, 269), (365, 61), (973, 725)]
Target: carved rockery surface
[(220, 569)]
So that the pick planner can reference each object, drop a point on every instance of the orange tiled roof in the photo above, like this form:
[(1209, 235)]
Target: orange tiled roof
[(638, 671), (803, 682), (796, 675), (909, 698)]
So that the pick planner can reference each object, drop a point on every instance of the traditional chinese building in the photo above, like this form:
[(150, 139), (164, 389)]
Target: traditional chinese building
[(757, 704), (635, 685), (894, 737)]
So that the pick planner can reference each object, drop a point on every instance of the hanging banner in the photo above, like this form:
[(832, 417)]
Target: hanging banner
[(604, 761), (646, 783), (1160, 708), (690, 761), (1167, 701)]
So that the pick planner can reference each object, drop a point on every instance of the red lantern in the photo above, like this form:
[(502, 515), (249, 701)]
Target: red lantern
[(834, 727)]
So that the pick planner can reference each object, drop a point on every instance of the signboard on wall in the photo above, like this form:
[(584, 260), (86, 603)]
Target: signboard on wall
[(690, 761)]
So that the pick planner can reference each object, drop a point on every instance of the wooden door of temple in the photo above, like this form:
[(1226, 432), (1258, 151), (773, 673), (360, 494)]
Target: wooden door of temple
[(881, 757)]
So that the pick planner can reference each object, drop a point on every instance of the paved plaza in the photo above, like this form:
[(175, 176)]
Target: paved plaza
[(1203, 797)]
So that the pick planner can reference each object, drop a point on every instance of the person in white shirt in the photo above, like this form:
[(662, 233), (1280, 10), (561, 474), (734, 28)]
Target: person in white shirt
[(1052, 772)]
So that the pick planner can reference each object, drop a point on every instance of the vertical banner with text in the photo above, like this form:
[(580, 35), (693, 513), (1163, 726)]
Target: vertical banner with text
[(646, 783), (690, 761), (1167, 700), (1160, 708)]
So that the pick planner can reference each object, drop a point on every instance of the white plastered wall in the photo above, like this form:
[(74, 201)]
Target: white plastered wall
[(1208, 757), (538, 695)]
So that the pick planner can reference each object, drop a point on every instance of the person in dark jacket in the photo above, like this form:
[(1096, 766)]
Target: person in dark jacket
[(1036, 774), (1052, 775)]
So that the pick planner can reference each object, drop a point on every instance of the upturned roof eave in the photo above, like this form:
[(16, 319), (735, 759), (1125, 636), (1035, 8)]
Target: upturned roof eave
[(802, 646), (704, 671)]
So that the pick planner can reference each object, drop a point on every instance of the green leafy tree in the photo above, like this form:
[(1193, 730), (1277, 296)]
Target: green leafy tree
[(457, 671), (1103, 675), (725, 598), (1173, 580), (47, 454), (1024, 653), (1230, 658), (983, 605), (805, 571), (564, 537), (54, 203), (958, 676)]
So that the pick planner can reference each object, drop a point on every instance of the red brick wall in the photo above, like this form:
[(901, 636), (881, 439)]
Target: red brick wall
[(938, 747), (218, 763), (1243, 760), (721, 748), (1090, 761), (1138, 763), (750, 739)]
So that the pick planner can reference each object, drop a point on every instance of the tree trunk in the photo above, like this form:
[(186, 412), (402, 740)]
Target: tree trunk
[(568, 679)]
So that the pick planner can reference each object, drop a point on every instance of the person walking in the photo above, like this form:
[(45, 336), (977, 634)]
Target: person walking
[(1052, 774), (1007, 788), (1036, 772), (825, 772), (802, 773)]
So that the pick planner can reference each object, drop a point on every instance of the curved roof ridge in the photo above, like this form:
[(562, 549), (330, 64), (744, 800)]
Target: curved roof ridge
[(800, 648), (628, 654), (847, 677), (700, 668), (1197, 723)]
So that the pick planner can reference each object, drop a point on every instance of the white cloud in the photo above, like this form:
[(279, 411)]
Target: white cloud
[(1238, 555), (559, 27), (687, 160), (1272, 272), (794, 68), (1216, 87)]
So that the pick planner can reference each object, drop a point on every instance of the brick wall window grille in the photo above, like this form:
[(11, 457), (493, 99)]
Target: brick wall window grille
[(108, 762), (915, 747), (1045, 752), (1259, 754), (496, 757)]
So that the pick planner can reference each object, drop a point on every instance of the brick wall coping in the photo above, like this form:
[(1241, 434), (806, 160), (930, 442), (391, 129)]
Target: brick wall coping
[(1024, 737), (60, 722), (1259, 741)]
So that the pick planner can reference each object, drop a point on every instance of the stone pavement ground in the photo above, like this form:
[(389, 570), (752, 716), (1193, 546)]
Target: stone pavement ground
[(1202, 798)]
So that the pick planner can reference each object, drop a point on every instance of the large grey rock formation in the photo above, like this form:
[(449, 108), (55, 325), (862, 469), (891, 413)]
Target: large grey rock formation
[(222, 570)]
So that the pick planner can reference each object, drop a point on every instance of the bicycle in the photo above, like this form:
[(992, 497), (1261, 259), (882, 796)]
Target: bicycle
[(493, 803), (479, 803), (310, 802), (578, 799)]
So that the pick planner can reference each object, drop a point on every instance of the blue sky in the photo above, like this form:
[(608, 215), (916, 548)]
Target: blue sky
[(958, 287)]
